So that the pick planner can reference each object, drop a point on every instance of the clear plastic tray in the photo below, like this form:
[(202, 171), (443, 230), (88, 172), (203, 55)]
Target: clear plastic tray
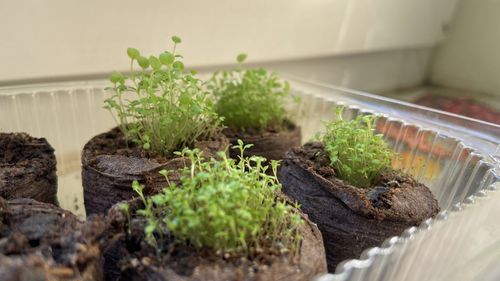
[(458, 158)]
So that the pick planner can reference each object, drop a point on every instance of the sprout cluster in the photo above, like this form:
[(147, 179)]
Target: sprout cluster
[(356, 153), (232, 208), (168, 110), (251, 98)]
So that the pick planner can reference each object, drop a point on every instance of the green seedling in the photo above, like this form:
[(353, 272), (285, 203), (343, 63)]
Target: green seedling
[(169, 110), (226, 206), (356, 153), (251, 98)]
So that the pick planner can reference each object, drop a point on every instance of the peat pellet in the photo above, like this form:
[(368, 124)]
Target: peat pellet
[(127, 257), (110, 165), (27, 168), (35, 267), (352, 219), (39, 241), (269, 144)]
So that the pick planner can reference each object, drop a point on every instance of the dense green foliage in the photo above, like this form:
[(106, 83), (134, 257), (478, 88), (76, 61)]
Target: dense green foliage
[(229, 207), (168, 108), (251, 98), (356, 153)]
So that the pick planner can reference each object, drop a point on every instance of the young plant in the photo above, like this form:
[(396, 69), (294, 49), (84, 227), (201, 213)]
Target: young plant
[(356, 153), (251, 98), (229, 207), (169, 109)]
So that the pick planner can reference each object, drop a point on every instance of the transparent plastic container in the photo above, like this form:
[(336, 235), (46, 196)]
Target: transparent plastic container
[(457, 157)]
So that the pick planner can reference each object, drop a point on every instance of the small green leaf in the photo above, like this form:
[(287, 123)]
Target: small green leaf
[(250, 145), (116, 77), (166, 58), (163, 172), (176, 39), (146, 146), (178, 65), (143, 62), (124, 207), (241, 57), (133, 53), (150, 228), (196, 109), (185, 99), (158, 199), (154, 62), (137, 187)]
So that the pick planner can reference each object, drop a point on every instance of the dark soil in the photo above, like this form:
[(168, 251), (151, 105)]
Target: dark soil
[(129, 257), (352, 219), (271, 144), (27, 168), (110, 165), (40, 241)]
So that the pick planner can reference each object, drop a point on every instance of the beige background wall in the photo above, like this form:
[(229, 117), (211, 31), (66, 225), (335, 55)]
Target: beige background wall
[(470, 57), (366, 44)]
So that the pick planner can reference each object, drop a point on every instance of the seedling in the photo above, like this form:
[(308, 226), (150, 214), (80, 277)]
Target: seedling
[(170, 109), (356, 153), (251, 98), (229, 207)]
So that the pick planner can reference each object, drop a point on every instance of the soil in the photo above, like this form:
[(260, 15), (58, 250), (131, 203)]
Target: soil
[(110, 165), (129, 257), (39, 241), (352, 219), (271, 144), (27, 168)]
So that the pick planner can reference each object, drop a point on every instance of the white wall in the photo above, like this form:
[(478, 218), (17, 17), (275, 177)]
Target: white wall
[(371, 71), (470, 57), (61, 38)]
